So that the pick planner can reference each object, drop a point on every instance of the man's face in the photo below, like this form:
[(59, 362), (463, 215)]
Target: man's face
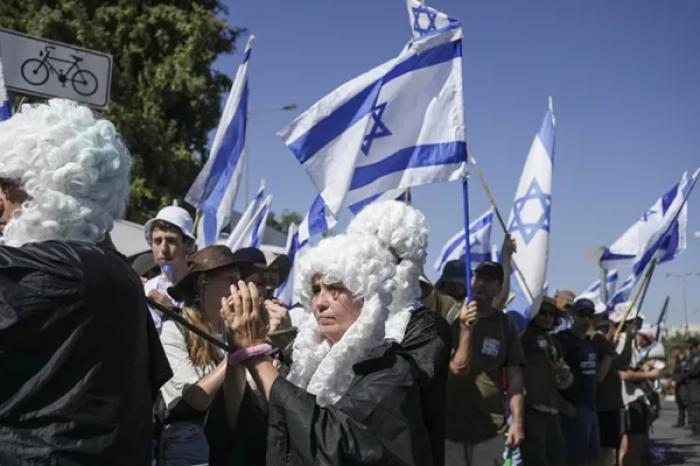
[(455, 290), (583, 320), (168, 247), (485, 288)]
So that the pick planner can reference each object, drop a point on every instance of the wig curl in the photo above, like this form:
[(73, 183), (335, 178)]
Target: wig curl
[(403, 231), (365, 268), (75, 168)]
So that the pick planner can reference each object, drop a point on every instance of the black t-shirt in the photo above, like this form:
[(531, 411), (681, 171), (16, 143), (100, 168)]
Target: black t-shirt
[(581, 358), (80, 359)]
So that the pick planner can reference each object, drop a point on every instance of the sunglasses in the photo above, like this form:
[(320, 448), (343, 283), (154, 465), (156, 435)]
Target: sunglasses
[(587, 314)]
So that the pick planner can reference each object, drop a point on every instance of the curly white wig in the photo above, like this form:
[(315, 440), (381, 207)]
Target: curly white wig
[(365, 268), (75, 168), (403, 231)]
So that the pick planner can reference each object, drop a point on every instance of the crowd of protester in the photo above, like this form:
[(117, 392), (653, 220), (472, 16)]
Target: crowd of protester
[(375, 365)]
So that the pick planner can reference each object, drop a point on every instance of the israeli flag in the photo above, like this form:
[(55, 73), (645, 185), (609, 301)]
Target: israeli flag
[(593, 292), (5, 107), (657, 233), (398, 125), (529, 224), (479, 243), (623, 293), (317, 220), (285, 292), (426, 21), (251, 233), (400, 194), (214, 190)]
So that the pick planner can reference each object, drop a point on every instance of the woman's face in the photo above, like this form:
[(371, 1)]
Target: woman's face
[(215, 285), (334, 307)]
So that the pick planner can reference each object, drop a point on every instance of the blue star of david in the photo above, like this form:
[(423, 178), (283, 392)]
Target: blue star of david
[(528, 230), (379, 129), (422, 10)]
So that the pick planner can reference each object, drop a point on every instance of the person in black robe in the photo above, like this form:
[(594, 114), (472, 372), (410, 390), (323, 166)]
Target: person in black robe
[(423, 333), (351, 396), (79, 355)]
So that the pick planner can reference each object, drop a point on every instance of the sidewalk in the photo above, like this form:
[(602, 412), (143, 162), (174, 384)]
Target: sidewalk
[(673, 446)]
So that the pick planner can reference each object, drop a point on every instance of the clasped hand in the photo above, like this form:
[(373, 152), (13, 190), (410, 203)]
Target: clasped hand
[(241, 311)]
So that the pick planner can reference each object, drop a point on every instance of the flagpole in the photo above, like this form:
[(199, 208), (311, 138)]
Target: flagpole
[(660, 320), (652, 267), (604, 285), (492, 201), (634, 300), (467, 251)]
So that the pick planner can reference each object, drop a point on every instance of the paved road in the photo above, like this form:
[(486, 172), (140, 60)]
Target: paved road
[(673, 446)]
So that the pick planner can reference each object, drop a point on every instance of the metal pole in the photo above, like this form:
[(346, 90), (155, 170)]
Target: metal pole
[(685, 305)]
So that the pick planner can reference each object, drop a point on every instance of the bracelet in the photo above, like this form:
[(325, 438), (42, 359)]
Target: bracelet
[(244, 354)]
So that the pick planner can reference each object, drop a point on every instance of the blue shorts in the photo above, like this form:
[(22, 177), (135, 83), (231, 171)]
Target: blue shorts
[(582, 436)]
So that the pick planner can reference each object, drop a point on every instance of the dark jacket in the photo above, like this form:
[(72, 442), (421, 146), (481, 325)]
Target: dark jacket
[(392, 414), (79, 356)]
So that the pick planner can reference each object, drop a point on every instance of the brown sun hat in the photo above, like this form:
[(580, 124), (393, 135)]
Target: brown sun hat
[(212, 258)]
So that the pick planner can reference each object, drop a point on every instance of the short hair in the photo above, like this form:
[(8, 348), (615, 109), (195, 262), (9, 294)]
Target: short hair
[(167, 226)]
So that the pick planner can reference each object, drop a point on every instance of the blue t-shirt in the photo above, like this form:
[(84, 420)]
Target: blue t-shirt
[(581, 358)]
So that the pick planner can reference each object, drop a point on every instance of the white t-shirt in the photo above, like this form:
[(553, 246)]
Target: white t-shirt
[(631, 391), (185, 373)]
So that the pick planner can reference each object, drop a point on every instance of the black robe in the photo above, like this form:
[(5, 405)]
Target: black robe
[(392, 413), (80, 360)]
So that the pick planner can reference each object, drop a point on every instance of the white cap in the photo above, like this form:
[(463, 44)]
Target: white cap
[(174, 215)]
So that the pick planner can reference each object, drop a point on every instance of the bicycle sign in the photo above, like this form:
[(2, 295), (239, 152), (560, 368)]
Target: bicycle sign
[(37, 72), (51, 69)]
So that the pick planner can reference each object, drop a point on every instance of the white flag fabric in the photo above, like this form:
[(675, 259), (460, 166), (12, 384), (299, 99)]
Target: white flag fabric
[(5, 107), (529, 224), (237, 229), (317, 220), (285, 292), (659, 232), (593, 292), (398, 125), (251, 233), (479, 243), (214, 190)]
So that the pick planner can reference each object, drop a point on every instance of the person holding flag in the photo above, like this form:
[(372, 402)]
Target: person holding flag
[(488, 349)]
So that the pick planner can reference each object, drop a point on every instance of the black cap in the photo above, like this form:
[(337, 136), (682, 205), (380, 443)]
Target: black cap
[(584, 304), (490, 269), (249, 255), (453, 272)]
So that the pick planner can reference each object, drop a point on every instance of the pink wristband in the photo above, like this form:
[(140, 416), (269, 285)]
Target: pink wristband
[(244, 354)]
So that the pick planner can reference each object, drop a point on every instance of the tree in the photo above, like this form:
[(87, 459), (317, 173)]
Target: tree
[(165, 98), (285, 220)]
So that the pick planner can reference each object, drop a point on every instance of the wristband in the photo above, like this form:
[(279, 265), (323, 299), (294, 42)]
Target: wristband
[(244, 354)]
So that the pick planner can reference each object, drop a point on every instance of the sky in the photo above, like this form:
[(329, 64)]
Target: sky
[(624, 77)]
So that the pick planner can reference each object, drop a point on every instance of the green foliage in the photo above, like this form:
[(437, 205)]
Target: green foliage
[(285, 220), (164, 96)]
